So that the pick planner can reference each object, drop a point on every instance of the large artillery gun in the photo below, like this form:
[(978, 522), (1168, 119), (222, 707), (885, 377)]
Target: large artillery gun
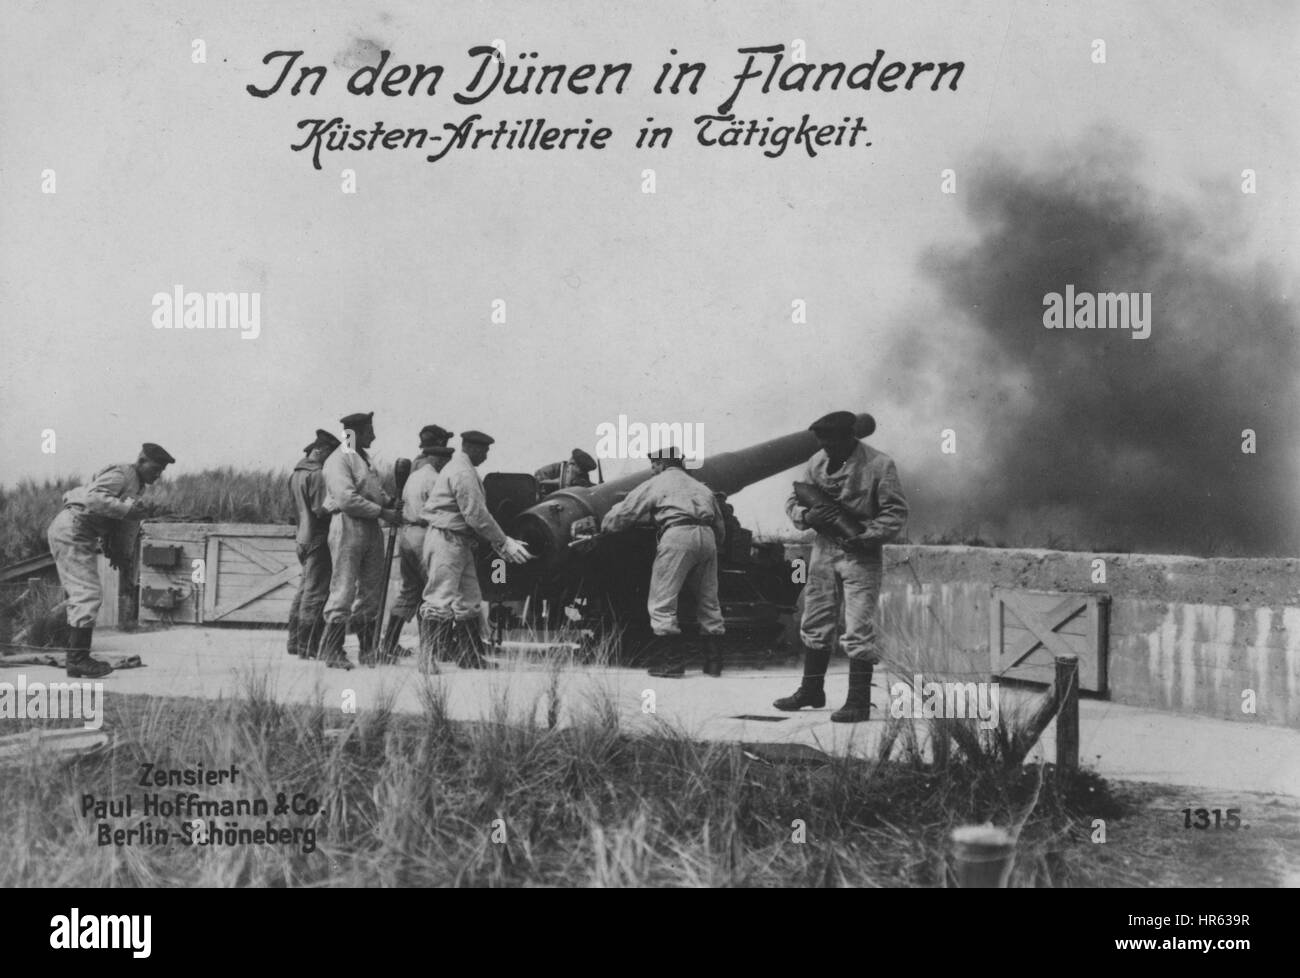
[(597, 588)]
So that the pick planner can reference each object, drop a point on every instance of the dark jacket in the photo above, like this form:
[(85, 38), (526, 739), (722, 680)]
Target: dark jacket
[(307, 487)]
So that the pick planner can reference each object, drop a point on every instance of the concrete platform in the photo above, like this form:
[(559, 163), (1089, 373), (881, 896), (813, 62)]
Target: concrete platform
[(1119, 742)]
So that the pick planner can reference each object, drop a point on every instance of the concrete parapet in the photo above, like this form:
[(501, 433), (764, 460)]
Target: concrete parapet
[(1210, 636)]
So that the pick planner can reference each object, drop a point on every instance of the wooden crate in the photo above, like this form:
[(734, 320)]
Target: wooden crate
[(252, 577), (1028, 629), (191, 538), (250, 572)]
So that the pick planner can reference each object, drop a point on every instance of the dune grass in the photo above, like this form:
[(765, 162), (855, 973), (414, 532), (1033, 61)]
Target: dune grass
[(425, 801), (216, 495), (545, 789), (26, 511)]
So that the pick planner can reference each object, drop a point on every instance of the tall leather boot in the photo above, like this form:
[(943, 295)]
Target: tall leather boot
[(674, 662), (308, 638), (391, 649), (432, 635), (444, 646), (469, 635), (80, 664), (812, 690), (295, 645), (331, 646), (712, 645), (857, 708), (368, 642)]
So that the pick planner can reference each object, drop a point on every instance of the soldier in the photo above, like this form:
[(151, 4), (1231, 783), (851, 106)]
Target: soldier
[(865, 483), (92, 514), (573, 471), (356, 544), (307, 489), (457, 514), (692, 529), (431, 436), (424, 474)]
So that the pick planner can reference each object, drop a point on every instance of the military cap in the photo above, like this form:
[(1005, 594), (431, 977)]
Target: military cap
[(475, 437), (156, 453), (842, 421), (669, 453), (583, 461), (432, 434), (325, 438), (355, 421), (440, 451)]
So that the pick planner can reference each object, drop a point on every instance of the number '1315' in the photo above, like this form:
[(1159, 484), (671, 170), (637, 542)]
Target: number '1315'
[(1228, 819)]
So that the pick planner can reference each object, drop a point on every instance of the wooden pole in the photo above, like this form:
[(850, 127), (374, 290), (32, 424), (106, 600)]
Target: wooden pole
[(1067, 712), (401, 472), (128, 576), (983, 855)]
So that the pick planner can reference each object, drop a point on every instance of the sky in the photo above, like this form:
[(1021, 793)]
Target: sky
[(667, 307)]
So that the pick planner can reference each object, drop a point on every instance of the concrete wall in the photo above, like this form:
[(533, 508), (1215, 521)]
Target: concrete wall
[(1186, 634)]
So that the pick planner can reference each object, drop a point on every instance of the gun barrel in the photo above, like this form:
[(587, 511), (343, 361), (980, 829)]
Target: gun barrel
[(547, 527)]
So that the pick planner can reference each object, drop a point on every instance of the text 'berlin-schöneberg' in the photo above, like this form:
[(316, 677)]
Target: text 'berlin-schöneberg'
[(765, 70)]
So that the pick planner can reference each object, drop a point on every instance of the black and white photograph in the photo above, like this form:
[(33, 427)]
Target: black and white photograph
[(687, 444)]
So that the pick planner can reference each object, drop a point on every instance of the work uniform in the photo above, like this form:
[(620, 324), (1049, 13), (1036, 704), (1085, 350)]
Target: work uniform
[(356, 543), (431, 436), (457, 514), (89, 513), (411, 538), (867, 486), (307, 489), (691, 528)]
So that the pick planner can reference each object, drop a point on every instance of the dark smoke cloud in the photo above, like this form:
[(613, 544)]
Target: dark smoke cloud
[(1092, 438)]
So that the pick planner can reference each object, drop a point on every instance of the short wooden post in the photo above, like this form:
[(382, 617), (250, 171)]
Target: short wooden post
[(1067, 712), (983, 855), (110, 588), (128, 578), (33, 599)]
